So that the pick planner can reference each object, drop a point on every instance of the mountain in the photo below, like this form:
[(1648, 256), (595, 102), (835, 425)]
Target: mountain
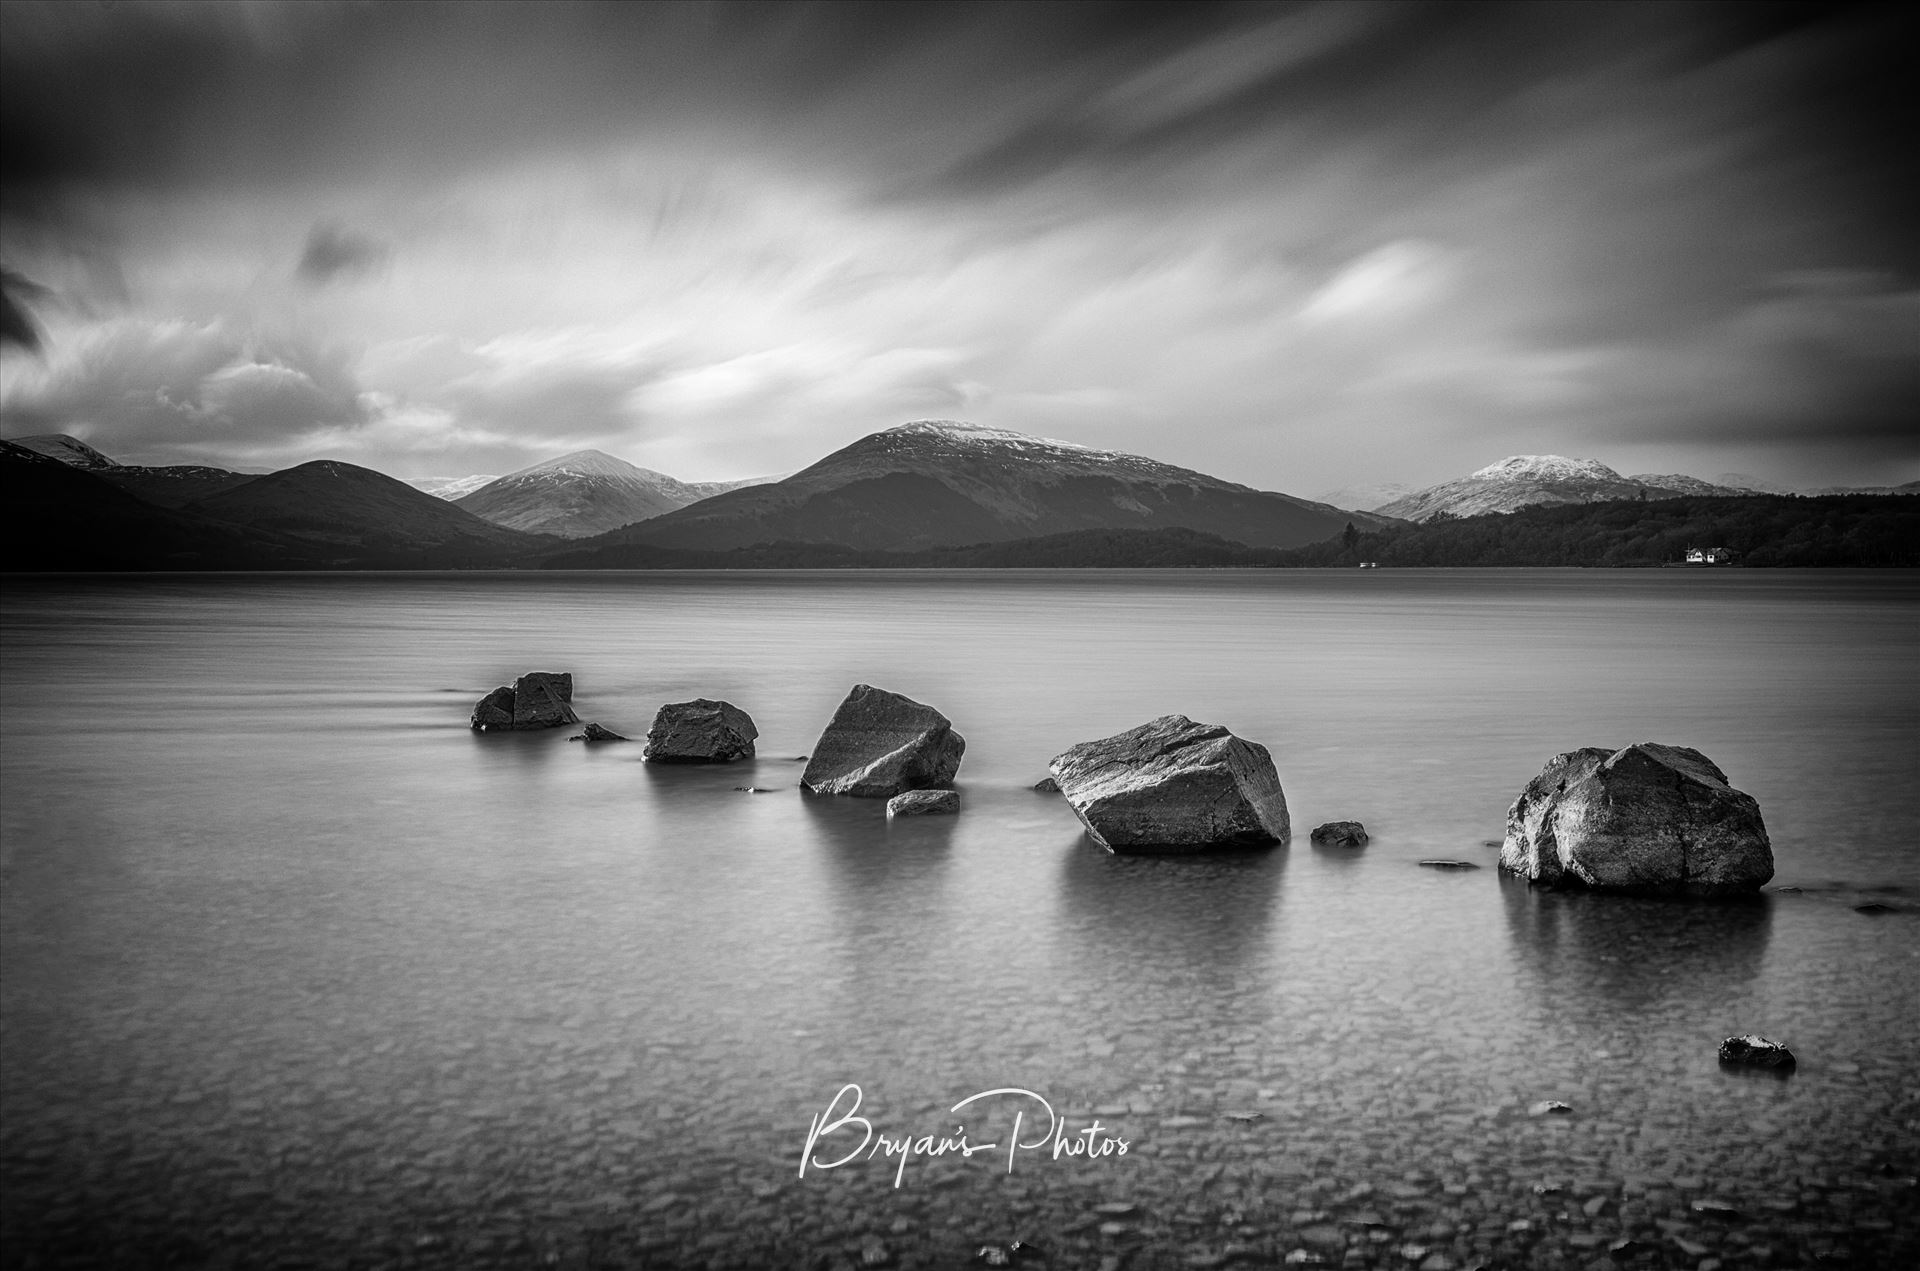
[(1747, 481), (363, 516), (54, 515), (68, 450), (1762, 530), (939, 483), (449, 488), (1679, 483), (582, 494), (176, 486), (1521, 481), (1365, 498)]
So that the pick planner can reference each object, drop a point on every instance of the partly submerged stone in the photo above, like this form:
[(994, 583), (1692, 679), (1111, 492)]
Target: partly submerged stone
[(924, 803), (1046, 785), (538, 699), (1340, 834), (880, 744), (700, 731), (593, 732), (1649, 818), (1172, 785), (1754, 1051)]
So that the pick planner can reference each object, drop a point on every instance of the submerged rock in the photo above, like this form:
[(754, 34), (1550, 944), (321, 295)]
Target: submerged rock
[(1172, 785), (1755, 1051), (1340, 834), (700, 731), (924, 803), (880, 744), (593, 732), (538, 699), (1444, 862), (1649, 818)]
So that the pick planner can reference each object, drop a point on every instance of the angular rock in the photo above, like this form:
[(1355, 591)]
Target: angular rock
[(700, 731), (1755, 1051), (880, 744), (1046, 785), (1172, 785), (1648, 819), (593, 732), (1340, 834), (538, 699), (924, 803)]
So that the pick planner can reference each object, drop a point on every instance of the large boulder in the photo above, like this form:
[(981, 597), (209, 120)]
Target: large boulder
[(1174, 786), (1649, 819), (881, 744), (700, 731), (538, 699)]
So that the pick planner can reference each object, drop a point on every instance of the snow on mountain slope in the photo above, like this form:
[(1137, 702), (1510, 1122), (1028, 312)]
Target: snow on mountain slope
[(582, 494)]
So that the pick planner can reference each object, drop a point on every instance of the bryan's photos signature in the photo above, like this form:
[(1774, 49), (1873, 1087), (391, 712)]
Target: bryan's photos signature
[(832, 1130)]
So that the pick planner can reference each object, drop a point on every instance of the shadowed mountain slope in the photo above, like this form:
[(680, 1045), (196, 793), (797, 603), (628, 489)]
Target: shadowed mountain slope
[(938, 483)]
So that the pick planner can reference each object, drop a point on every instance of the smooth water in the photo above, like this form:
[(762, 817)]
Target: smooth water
[(299, 971)]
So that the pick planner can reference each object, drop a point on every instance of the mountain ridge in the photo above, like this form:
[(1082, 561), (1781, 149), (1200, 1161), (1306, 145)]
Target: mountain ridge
[(583, 493), (947, 483)]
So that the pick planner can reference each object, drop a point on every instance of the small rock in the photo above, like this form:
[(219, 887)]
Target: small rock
[(538, 699), (1441, 862), (924, 803), (700, 731), (1627, 1247), (1714, 1208), (1115, 1208), (1340, 834), (1547, 1107), (1755, 1051), (1247, 1115), (594, 732), (1046, 785)]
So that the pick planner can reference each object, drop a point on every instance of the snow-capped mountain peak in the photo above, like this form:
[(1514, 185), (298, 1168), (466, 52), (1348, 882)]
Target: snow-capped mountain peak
[(1548, 468)]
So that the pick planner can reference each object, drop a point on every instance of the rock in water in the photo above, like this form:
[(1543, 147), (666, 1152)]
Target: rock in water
[(593, 732), (1340, 834), (1046, 785), (700, 731), (881, 744), (538, 699), (924, 803), (1755, 1051), (1174, 786), (1651, 819)]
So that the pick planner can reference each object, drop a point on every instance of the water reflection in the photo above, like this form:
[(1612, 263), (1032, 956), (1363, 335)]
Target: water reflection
[(1207, 916), (1634, 951)]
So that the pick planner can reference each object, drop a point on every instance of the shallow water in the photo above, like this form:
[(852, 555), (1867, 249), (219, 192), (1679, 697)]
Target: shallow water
[(299, 971)]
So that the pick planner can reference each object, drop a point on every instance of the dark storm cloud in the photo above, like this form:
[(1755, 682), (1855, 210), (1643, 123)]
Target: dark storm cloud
[(1600, 199), (335, 252), (17, 295), (131, 385)]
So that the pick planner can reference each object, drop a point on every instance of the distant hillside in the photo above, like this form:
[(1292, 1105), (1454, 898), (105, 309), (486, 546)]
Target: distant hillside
[(450, 488), (1762, 529), (1527, 481), (1077, 549), (939, 483), (358, 514), (582, 494), (175, 487), (58, 516), (68, 450)]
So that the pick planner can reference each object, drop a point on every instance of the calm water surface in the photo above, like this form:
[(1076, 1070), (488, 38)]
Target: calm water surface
[(299, 971)]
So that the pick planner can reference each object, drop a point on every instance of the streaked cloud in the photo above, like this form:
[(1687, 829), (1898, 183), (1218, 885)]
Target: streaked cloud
[(1303, 245)]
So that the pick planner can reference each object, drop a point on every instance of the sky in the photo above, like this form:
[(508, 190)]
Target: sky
[(1300, 246)]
